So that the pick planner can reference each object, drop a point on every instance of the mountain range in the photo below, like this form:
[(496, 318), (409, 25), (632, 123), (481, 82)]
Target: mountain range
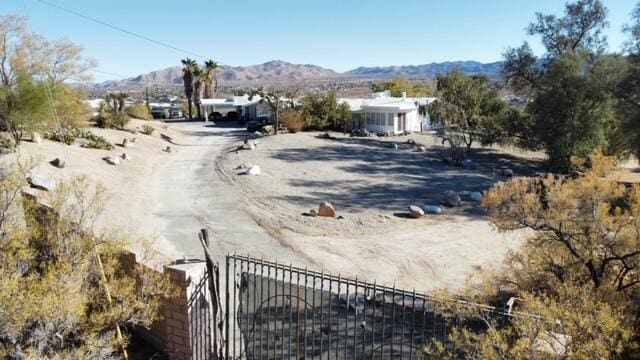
[(281, 71)]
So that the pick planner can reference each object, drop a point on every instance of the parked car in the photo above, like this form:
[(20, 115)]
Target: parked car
[(159, 112), (176, 112), (258, 123)]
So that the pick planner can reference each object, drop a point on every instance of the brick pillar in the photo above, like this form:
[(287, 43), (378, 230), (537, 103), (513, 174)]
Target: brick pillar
[(177, 314)]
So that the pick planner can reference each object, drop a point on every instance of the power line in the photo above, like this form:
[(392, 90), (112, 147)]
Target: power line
[(114, 27)]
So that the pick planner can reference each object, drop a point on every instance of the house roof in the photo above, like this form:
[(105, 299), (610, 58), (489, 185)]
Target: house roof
[(386, 103), (243, 100)]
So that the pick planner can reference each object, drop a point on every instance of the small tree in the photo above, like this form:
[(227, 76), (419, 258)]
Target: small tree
[(576, 276), (293, 119), (344, 115), (29, 108)]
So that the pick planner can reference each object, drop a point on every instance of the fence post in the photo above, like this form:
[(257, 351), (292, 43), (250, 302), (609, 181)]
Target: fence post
[(178, 315)]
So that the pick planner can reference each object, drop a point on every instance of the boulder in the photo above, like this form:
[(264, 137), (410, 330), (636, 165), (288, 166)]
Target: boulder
[(415, 211), (421, 149), (249, 146), (253, 170), (326, 209), (313, 213), (244, 166), (41, 182), (451, 199), (125, 157), (125, 143), (167, 149), (468, 164), (257, 134), (432, 209), (411, 142), (476, 196), (36, 138), (507, 172), (57, 162), (112, 160)]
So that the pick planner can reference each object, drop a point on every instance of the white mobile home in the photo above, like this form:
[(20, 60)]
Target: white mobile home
[(385, 114)]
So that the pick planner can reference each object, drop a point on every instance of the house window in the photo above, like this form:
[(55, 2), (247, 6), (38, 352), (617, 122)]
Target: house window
[(389, 119)]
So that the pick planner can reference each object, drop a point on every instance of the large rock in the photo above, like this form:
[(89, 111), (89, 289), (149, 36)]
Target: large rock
[(326, 209), (451, 199), (244, 166), (57, 162), (112, 160), (432, 209), (507, 172), (249, 146), (41, 182), (254, 170), (36, 138), (421, 149), (476, 196), (415, 211)]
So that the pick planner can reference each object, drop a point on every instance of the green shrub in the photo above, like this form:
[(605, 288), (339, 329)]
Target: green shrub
[(69, 136), (7, 144), (109, 120), (147, 129), (139, 111)]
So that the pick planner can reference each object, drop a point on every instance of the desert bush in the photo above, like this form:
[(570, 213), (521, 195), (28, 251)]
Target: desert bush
[(108, 118), (69, 136), (293, 119), (147, 129), (6, 144), (139, 111), (54, 272)]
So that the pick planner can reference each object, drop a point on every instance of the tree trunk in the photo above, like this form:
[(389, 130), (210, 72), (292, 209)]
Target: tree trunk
[(189, 101)]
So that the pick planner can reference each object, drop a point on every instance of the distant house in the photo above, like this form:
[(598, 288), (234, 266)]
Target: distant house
[(244, 106), (385, 114)]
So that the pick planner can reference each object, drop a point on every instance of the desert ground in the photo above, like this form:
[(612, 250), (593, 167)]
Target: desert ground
[(169, 196), (371, 184)]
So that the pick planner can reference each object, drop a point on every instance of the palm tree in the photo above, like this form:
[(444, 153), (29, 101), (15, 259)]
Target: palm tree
[(199, 80), (211, 82), (188, 79)]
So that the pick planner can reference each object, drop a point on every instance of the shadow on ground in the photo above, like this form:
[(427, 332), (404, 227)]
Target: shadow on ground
[(389, 179)]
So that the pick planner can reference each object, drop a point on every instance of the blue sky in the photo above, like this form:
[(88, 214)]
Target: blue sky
[(338, 34)]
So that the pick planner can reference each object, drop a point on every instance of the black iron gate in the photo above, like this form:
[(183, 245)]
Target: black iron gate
[(284, 312)]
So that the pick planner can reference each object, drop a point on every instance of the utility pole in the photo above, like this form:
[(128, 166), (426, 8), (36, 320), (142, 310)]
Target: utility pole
[(146, 96)]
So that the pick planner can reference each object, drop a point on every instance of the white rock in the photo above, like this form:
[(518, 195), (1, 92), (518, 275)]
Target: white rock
[(41, 182), (113, 160), (476, 196), (451, 198), (254, 170), (36, 138), (244, 166), (432, 209), (421, 149), (125, 157), (415, 211), (395, 146), (468, 164)]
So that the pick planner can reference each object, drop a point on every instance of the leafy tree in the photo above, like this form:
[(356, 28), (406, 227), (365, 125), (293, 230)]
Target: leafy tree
[(139, 111), (210, 82), (200, 78), (62, 289), (399, 85), (320, 109), (571, 113), (29, 62), (467, 106), (576, 275), (29, 107), (188, 80), (344, 115)]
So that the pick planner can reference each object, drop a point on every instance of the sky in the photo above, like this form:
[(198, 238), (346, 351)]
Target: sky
[(337, 34)]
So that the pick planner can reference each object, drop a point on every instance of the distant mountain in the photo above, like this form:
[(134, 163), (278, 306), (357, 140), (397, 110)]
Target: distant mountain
[(278, 71), (429, 70), (272, 71)]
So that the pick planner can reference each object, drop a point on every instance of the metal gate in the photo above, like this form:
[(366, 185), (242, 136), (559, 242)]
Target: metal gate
[(284, 312), (277, 311)]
